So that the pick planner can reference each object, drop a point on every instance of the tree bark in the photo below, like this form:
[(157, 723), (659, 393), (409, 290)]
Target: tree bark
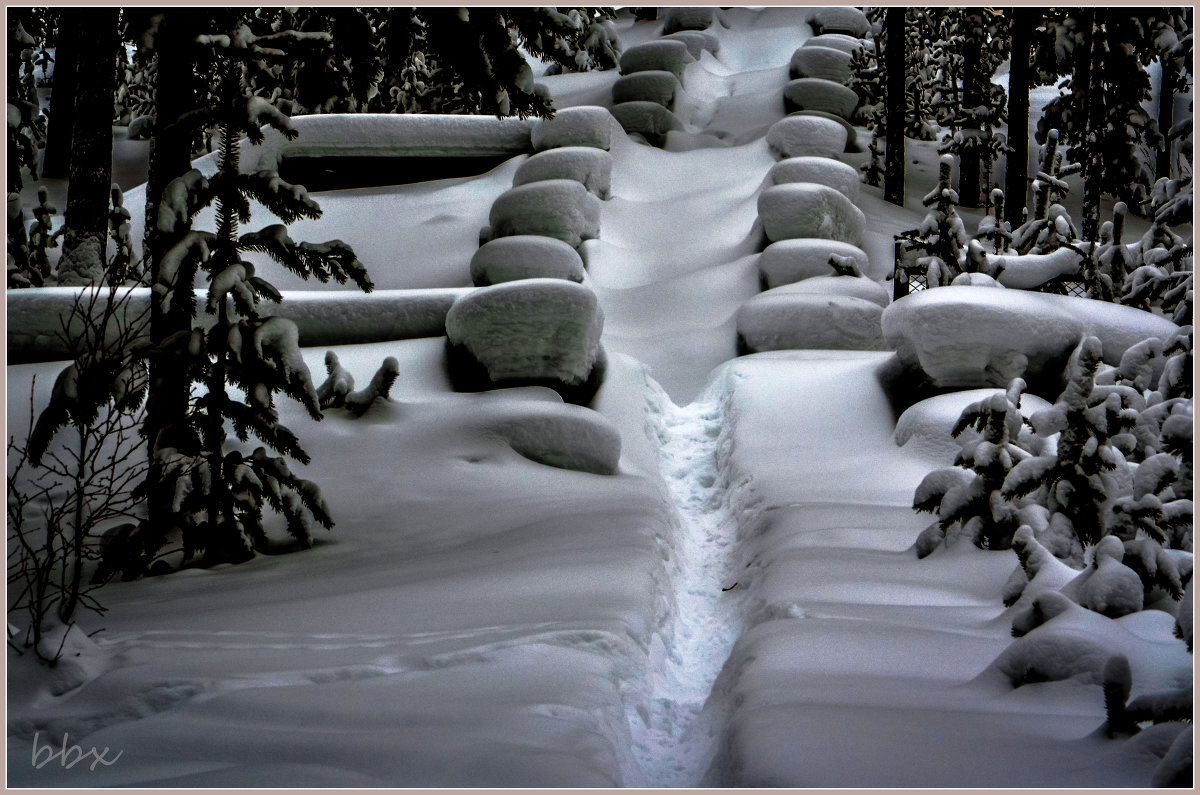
[(894, 99), (1085, 86), (57, 155), (1166, 113), (974, 86), (1016, 164)]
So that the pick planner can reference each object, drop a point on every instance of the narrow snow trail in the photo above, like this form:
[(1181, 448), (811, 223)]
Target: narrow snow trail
[(674, 732)]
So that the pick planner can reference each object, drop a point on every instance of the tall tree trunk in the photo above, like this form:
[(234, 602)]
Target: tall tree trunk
[(1086, 87), (90, 180), (974, 85), (1016, 164), (57, 155), (1166, 113), (895, 101)]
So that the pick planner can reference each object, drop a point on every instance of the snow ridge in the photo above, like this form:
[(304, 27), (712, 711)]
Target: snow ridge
[(675, 727)]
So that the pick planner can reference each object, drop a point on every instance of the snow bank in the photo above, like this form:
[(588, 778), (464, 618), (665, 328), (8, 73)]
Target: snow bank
[(793, 260), (837, 41), (562, 435), (805, 209), (585, 164), (585, 125), (797, 136), (697, 42), (508, 259), (529, 329), (394, 134), (1024, 272), (1118, 327), (821, 170), (925, 427), (559, 208), (828, 63), (853, 286), (676, 19), (815, 93), (650, 86), (968, 337), (648, 119), (839, 19), (665, 55), (785, 318)]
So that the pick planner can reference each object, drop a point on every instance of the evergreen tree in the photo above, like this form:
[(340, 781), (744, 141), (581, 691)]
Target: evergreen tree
[(937, 248)]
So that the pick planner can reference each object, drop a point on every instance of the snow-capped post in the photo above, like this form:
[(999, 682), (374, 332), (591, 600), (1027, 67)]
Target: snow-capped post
[(219, 494)]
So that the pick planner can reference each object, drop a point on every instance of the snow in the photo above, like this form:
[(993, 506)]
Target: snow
[(925, 426), (788, 318), (649, 86), (798, 136), (1026, 271), (846, 20), (838, 41), (828, 63), (590, 166), (809, 210), (677, 19), (665, 55), (815, 93), (804, 258), (853, 286), (697, 42), (507, 259), (736, 603), (821, 170), (558, 208), (649, 119)]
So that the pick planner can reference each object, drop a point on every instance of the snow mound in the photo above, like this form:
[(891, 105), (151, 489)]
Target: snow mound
[(561, 435), (815, 93), (967, 337), (677, 19), (791, 261), (974, 280), (559, 208), (805, 209), (584, 125), (837, 41), (1026, 271), (697, 42), (585, 164), (530, 329), (650, 86), (787, 319), (1118, 327), (821, 170), (509, 259), (852, 144), (798, 136), (828, 63), (649, 119), (925, 426), (667, 55), (840, 19), (853, 286)]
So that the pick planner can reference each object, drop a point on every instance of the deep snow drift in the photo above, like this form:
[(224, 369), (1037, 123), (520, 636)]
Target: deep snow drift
[(737, 605)]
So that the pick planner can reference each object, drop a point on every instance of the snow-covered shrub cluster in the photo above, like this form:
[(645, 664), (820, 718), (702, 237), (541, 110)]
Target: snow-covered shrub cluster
[(587, 165), (558, 208), (810, 210), (564, 436), (652, 77), (792, 317), (337, 390), (820, 170), (650, 120), (584, 125), (649, 86), (667, 55), (677, 19), (507, 259), (839, 19), (792, 260), (799, 136), (696, 41), (838, 41), (815, 93), (827, 63)]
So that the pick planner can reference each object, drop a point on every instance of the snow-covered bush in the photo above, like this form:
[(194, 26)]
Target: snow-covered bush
[(926, 426), (937, 248), (508, 259), (851, 286), (563, 436), (1028, 271), (839, 19), (676, 19), (790, 318), (796, 136), (558, 208), (828, 63), (838, 41), (696, 41), (585, 164), (584, 125), (377, 388), (649, 119), (851, 133), (791, 261), (665, 55), (533, 331), (815, 93), (649, 86), (821, 170), (805, 209)]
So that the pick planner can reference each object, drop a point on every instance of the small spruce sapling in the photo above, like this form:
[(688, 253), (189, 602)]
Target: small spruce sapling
[(936, 249)]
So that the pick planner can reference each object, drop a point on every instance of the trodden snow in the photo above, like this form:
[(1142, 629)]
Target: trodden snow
[(705, 578)]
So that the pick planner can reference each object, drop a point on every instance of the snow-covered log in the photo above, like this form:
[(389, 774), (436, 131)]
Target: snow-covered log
[(585, 164), (821, 170), (791, 261), (584, 125), (828, 63), (650, 86), (805, 209), (558, 208), (815, 93), (787, 318), (797, 136), (508, 259)]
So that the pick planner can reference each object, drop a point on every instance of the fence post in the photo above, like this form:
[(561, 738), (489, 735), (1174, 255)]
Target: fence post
[(899, 275)]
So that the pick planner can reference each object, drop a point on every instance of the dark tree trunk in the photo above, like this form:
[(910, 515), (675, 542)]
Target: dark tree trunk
[(974, 85), (1016, 164), (1166, 113), (90, 180), (57, 155), (896, 103), (1086, 85)]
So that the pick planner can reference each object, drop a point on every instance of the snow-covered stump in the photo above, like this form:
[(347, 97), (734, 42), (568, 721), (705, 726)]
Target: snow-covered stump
[(533, 332), (585, 125), (677, 19), (815, 93), (648, 119), (965, 337), (839, 19), (586, 165), (851, 286), (558, 208), (806, 209), (800, 136), (696, 41), (787, 318), (509, 259), (790, 261), (837, 41), (840, 176), (651, 86), (666, 55), (828, 63)]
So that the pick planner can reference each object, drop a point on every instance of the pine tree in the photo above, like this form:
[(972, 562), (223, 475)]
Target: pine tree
[(937, 248)]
